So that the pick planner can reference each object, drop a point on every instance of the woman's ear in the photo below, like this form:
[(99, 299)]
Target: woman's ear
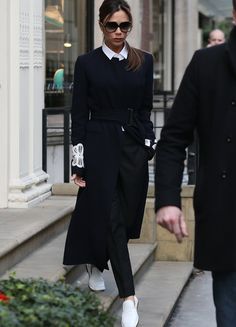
[(101, 26)]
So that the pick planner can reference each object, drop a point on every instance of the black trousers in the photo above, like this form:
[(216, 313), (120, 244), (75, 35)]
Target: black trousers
[(224, 294), (124, 202)]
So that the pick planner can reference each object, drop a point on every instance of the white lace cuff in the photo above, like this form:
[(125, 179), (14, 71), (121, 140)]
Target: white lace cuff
[(78, 155)]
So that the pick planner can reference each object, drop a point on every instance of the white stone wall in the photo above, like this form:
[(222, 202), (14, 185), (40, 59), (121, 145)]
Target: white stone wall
[(168, 45), (55, 163), (22, 100), (4, 113), (186, 35)]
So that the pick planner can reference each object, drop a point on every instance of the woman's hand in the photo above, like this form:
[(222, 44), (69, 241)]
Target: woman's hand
[(78, 180)]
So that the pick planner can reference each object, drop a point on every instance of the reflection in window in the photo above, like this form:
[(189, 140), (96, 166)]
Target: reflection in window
[(66, 38), (163, 22)]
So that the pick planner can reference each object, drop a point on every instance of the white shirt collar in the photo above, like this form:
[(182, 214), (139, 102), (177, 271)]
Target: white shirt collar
[(111, 54)]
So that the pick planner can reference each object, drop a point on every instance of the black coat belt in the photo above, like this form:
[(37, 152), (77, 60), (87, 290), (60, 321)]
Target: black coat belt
[(126, 117)]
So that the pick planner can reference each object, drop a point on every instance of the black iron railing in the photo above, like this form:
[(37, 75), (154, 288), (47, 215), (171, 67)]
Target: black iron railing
[(162, 103), (58, 132), (192, 160), (62, 125)]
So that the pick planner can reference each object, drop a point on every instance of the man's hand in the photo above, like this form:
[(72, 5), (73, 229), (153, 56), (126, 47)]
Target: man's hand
[(172, 219), (78, 180)]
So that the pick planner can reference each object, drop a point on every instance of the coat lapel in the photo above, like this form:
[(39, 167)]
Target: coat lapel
[(231, 49)]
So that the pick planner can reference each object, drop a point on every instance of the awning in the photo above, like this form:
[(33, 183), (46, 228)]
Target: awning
[(215, 8)]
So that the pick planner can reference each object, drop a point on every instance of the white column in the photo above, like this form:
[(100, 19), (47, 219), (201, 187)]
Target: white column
[(135, 36), (167, 44), (97, 31), (4, 114), (27, 181), (186, 35)]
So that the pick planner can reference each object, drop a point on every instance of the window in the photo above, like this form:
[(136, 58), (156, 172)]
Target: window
[(68, 33), (163, 44)]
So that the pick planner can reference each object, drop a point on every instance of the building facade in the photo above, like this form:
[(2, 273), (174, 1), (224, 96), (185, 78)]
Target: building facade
[(23, 182), (41, 40)]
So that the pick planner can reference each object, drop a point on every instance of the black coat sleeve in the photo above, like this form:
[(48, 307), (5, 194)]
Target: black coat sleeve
[(146, 108), (79, 117), (176, 135)]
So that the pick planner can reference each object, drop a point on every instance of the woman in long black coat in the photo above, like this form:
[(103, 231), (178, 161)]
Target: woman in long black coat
[(113, 139)]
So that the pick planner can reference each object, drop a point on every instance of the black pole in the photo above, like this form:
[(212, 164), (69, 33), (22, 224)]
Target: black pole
[(173, 48), (66, 146), (90, 25), (44, 132)]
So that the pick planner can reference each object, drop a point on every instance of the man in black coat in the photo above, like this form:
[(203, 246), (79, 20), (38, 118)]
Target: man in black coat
[(205, 102)]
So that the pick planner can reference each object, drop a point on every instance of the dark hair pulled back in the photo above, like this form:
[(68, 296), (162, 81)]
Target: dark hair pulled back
[(234, 4), (107, 9)]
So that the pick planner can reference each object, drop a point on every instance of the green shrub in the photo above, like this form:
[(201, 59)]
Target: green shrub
[(39, 303)]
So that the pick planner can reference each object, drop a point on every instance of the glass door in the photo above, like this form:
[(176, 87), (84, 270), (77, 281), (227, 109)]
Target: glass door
[(68, 29)]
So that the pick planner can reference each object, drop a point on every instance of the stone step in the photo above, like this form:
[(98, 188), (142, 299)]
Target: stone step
[(158, 291), (46, 262), (141, 255), (32, 243), (159, 284), (72, 189), (22, 231)]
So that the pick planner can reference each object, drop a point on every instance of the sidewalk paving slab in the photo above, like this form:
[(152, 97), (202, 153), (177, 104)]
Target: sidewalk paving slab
[(195, 307)]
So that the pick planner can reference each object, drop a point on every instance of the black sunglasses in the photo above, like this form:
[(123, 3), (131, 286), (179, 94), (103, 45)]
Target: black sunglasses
[(111, 27)]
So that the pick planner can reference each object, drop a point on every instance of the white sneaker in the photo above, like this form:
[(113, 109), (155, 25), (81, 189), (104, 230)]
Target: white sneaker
[(130, 316), (96, 282)]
